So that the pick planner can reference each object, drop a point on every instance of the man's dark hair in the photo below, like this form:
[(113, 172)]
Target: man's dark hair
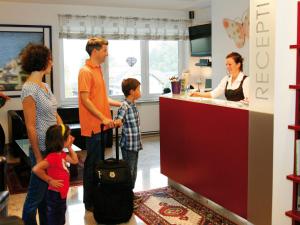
[(95, 43), (129, 84), (35, 57), (56, 135), (237, 58)]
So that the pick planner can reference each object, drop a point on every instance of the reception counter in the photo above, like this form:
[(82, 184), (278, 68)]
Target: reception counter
[(204, 146)]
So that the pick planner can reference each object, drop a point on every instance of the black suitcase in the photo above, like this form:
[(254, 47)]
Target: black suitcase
[(113, 195)]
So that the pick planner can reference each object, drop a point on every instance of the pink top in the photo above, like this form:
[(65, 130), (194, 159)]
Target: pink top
[(58, 170)]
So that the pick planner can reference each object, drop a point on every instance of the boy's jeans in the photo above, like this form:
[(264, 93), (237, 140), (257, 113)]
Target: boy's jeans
[(132, 159)]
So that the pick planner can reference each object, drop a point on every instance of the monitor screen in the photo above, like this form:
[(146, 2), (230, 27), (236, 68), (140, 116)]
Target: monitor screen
[(201, 46), (200, 40)]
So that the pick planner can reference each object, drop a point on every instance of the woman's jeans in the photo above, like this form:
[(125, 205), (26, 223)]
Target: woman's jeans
[(35, 199), (131, 157)]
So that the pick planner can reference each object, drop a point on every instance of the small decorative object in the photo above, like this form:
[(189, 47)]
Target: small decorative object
[(238, 29), (175, 85), (198, 82), (174, 78), (183, 86), (131, 61)]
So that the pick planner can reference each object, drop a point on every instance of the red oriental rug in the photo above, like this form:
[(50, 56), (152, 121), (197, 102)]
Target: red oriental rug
[(167, 206)]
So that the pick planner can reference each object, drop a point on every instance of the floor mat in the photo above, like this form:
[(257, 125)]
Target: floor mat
[(167, 206)]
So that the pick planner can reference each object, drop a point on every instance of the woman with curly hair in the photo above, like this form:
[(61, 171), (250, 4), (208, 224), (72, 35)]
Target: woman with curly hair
[(40, 112)]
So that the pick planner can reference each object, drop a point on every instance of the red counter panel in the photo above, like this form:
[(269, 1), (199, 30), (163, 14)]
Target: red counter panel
[(205, 148)]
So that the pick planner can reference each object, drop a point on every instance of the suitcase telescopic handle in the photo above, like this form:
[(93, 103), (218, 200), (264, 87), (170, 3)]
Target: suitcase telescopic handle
[(103, 142)]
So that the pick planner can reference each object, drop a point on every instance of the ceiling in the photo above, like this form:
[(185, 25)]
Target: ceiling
[(143, 4)]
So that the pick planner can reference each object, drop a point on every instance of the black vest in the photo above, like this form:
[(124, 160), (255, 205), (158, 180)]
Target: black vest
[(237, 94)]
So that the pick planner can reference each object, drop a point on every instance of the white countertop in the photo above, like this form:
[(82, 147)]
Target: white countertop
[(209, 101)]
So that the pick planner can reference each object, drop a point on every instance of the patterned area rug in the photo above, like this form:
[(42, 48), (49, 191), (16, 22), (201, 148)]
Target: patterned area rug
[(167, 206), (18, 177)]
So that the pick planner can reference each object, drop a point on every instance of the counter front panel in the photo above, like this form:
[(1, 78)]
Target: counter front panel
[(205, 148)]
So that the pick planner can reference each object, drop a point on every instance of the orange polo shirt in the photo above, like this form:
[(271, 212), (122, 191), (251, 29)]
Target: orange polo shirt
[(90, 79)]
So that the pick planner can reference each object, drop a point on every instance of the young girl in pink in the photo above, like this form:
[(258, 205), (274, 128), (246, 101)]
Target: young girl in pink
[(53, 170)]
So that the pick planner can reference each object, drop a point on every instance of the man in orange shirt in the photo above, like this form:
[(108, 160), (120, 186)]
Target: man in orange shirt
[(94, 109)]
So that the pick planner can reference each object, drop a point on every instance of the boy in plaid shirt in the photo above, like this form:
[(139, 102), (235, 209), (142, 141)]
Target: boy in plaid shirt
[(130, 142)]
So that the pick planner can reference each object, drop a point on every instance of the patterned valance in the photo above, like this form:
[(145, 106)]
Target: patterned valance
[(82, 27)]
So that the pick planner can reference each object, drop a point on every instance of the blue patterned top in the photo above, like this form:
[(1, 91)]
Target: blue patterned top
[(131, 135), (46, 108)]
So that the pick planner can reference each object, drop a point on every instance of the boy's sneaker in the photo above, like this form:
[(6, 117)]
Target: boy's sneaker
[(137, 198), (136, 201), (136, 205)]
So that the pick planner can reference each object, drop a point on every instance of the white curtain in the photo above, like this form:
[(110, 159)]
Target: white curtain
[(82, 27)]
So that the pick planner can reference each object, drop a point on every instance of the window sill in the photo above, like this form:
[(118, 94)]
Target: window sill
[(154, 100)]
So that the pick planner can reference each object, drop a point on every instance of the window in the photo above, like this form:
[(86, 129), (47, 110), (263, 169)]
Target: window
[(163, 63), (151, 62), (124, 60)]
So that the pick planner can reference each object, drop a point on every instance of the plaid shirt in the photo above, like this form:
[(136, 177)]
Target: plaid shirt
[(131, 135)]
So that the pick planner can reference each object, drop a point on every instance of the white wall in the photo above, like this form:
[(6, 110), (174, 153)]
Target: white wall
[(46, 14), (202, 16), (222, 44), (284, 109)]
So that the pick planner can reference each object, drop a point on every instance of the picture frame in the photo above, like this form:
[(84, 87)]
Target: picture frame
[(13, 38)]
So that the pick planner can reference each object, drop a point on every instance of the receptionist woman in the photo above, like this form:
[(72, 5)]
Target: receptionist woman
[(235, 86)]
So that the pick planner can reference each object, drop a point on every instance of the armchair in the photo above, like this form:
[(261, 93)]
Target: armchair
[(16, 129)]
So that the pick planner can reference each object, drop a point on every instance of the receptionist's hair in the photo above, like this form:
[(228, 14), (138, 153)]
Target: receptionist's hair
[(237, 58)]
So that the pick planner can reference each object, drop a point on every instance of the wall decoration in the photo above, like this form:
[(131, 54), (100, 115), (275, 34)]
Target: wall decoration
[(238, 29), (13, 38)]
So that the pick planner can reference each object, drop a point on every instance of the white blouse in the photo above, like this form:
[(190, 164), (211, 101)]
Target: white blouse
[(220, 89)]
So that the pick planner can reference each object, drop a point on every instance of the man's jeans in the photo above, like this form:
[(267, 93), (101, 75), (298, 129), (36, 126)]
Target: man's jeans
[(131, 157), (35, 199), (94, 155)]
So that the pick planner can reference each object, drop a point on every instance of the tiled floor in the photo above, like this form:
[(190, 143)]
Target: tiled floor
[(148, 177)]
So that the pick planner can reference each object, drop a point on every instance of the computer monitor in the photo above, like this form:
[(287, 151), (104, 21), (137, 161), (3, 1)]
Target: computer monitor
[(208, 83)]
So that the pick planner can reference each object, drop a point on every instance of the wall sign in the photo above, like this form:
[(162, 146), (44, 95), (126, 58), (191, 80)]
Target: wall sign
[(262, 45)]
